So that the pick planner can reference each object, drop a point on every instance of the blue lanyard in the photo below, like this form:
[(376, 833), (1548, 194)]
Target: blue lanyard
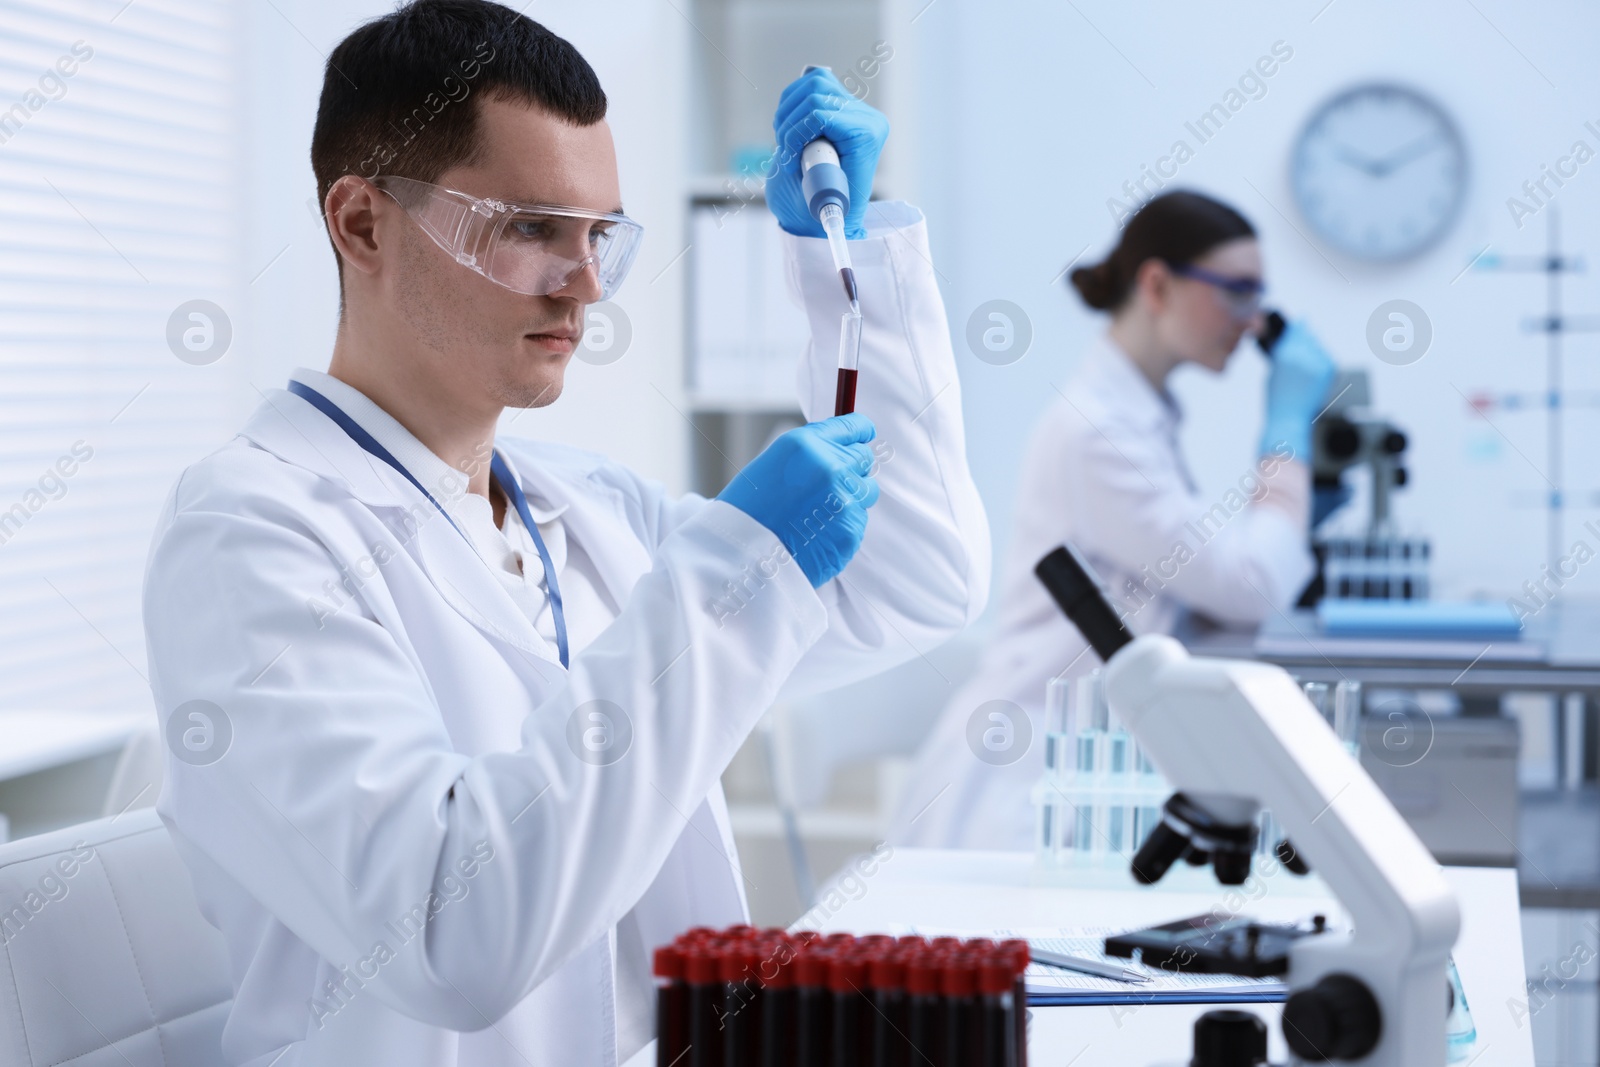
[(502, 475)]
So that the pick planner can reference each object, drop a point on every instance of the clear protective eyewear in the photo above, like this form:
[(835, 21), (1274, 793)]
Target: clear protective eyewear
[(1242, 295), (534, 249)]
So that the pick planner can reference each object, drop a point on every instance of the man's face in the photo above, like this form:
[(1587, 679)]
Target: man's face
[(507, 348)]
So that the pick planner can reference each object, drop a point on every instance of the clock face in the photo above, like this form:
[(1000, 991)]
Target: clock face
[(1379, 172)]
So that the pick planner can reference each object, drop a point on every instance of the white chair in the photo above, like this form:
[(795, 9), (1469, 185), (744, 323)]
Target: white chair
[(136, 782), (887, 715), (105, 959)]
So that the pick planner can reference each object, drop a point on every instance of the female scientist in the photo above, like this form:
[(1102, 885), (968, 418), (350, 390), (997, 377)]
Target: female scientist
[(1103, 470)]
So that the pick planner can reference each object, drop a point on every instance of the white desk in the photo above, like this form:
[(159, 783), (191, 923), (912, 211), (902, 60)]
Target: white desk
[(66, 744), (966, 891), (38, 740)]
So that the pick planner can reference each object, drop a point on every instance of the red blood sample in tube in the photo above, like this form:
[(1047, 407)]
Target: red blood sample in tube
[(672, 1006), (925, 1024), (813, 1019), (847, 982), (886, 975), (702, 968), (997, 1010)]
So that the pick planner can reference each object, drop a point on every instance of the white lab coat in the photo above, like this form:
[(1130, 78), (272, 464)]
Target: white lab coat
[(423, 731), (1103, 470)]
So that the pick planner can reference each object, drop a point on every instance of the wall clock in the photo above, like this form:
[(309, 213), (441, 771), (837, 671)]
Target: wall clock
[(1379, 172)]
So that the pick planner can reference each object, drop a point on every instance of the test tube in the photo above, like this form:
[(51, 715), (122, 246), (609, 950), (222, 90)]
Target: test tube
[(1347, 714), (702, 968), (1317, 694), (672, 1006), (886, 975), (847, 984), (1021, 956), (844, 400), (778, 1008), (924, 1017), (813, 1021), (741, 1005), (997, 1005), (1090, 717), (1054, 834), (958, 982)]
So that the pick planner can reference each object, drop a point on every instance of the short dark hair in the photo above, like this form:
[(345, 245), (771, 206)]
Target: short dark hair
[(398, 93), (1177, 228)]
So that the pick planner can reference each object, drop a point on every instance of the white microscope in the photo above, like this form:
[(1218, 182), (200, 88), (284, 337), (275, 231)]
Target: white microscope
[(1234, 736)]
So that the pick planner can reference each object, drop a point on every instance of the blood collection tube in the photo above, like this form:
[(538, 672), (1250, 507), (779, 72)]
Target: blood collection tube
[(672, 1006), (702, 969), (924, 1014), (958, 982), (778, 1007), (813, 1020), (1021, 956), (997, 1010), (847, 984), (886, 976), (741, 1004)]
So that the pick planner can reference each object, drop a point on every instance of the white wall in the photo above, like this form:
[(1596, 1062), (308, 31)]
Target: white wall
[(1030, 115), (629, 409)]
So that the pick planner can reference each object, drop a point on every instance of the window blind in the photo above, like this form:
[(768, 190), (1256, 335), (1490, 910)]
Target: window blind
[(118, 208)]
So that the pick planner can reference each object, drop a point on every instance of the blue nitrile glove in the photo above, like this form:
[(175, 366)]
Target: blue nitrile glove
[(1297, 389), (817, 105), (1325, 500), (811, 489)]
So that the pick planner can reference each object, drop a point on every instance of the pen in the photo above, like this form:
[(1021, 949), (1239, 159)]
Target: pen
[(1095, 967)]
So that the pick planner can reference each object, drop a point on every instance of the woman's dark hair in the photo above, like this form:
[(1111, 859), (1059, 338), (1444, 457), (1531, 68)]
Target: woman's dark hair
[(1177, 228)]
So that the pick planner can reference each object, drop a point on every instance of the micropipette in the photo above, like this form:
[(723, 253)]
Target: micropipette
[(827, 193)]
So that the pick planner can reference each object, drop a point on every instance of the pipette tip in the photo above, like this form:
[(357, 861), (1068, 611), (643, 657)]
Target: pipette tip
[(849, 276)]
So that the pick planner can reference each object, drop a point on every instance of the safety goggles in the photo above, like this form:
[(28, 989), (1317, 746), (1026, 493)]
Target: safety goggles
[(528, 248), (1242, 295)]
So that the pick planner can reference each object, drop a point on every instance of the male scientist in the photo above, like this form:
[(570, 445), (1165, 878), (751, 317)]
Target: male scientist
[(447, 712)]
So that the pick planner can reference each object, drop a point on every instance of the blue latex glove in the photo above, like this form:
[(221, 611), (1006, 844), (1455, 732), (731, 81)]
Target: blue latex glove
[(1297, 389), (817, 105), (1326, 500), (812, 490)]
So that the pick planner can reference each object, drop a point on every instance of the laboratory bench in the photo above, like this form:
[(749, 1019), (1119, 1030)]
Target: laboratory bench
[(971, 893), (1558, 651)]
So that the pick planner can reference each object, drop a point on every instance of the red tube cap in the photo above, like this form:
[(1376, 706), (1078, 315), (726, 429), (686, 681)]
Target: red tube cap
[(995, 975), (702, 964), (887, 971), (958, 976), (847, 974), (739, 962), (1019, 952), (811, 968), (922, 974), (669, 962)]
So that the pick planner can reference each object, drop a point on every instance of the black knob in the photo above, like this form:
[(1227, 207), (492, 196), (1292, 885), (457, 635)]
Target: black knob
[(1159, 852), (1290, 858), (1229, 1039), (1394, 442), (1336, 1019), (1232, 866), (1341, 439)]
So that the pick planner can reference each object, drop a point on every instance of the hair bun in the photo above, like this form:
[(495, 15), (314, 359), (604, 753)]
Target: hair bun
[(1095, 285)]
